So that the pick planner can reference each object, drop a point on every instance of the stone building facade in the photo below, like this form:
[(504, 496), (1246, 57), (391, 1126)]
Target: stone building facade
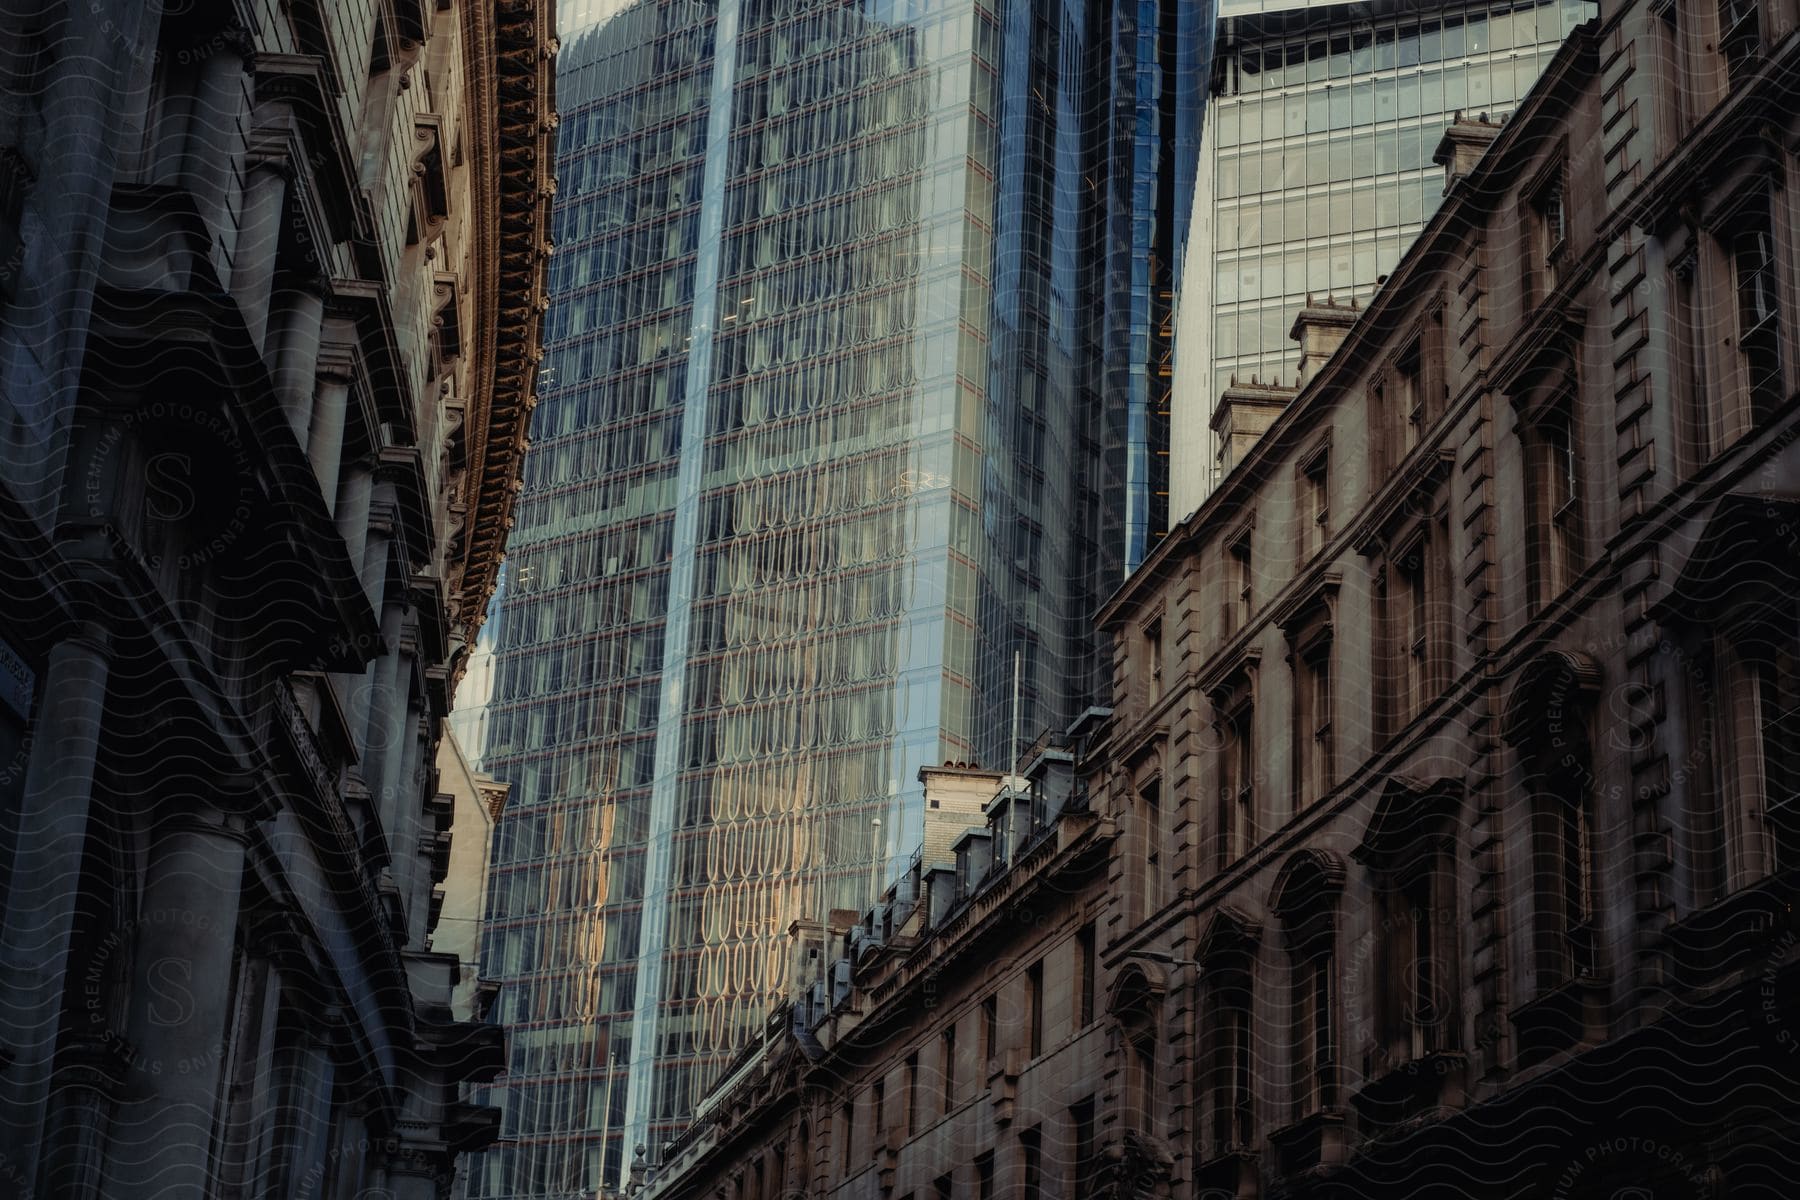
[(948, 1042), (270, 286), (1443, 816)]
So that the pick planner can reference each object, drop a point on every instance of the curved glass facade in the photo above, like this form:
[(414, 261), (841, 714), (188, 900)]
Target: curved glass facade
[(1316, 170), (837, 418)]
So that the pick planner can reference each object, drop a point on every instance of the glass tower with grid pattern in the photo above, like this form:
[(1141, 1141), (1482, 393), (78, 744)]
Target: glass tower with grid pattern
[(851, 394), (1315, 171)]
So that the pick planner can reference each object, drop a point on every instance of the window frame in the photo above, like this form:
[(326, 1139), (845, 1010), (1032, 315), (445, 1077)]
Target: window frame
[(1544, 216), (1309, 622), (1312, 499), (1762, 368), (1034, 1009), (1230, 1064), (1241, 577), (1306, 899)]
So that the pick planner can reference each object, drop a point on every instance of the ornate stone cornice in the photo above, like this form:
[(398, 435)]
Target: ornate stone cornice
[(510, 62)]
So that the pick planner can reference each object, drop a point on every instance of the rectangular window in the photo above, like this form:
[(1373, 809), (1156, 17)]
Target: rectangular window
[(1554, 498), (1547, 233), (945, 1186), (1753, 727), (1407, 397), (1242, 598), (1563, 857), (1418, 620), (1753, 262), (948, 1052), (1688, 363), (1031, 1147), (1313, 736), (1034, 1005), (1228, 1077), (1315, 503), (1086, 1164), (1315, 1045), (984, 1177), (1740, 36), (912, 1094), (1149, 1104), (1237, 775), (1153, 655), (877, 1115), (1563, 482), (1777, 672), (1151, 887), (1085, 963), (847, 1134), (990, 1030), (1709, 784), (1415, 1017)]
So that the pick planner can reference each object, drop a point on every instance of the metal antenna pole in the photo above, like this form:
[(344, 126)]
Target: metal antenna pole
[(1018, 670)]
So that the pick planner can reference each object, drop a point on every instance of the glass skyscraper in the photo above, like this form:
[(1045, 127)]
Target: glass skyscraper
[(1315, 170), (850, 396)]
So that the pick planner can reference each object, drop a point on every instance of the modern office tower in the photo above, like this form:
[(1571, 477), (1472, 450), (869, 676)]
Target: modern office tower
[(1315, 171), (838, 425)]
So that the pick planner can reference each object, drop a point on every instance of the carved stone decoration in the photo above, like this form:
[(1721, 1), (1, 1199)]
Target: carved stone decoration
[(1137, 1168)]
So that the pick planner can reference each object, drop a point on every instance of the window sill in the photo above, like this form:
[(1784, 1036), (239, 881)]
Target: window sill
[(1316, 1140), (1712, 941), (1231, 1173), (1434, 1078), (1568, 1016)]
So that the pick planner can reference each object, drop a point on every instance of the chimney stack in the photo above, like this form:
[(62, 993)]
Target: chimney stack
[(1244, 413), (1462, 146), (1320, 328)]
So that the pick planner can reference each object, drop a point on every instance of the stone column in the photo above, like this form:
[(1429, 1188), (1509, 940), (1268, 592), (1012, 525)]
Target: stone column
[(215, 131), (331, 406), (409, 833), (384, 514), (41, 891), (387, 701), (296, 319), (325, 441), (355, 487), (259, 239), (180, 1009)]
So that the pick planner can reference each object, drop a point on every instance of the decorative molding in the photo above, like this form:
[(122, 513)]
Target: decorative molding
[(509, 121), (1313, 605)]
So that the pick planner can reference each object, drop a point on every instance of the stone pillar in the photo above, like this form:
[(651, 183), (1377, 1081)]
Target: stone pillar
[(355, 486), (393, 720), (41, 892), (325, 441), (259, 239), (387, 702), (317, 1078), (296, 319), (180, 1010), (411, 832), (375, 568), (215, 133)]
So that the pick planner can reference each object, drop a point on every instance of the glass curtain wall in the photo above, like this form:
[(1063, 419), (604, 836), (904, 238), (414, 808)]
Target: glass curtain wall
[(829, 430), (1316, 168)]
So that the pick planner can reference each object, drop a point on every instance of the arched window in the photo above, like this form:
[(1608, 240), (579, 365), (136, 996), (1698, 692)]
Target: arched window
[(1734, 613), (1409, 846), (1227, 960), (1547, 718), (1305, 898), (1135, 1003)]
